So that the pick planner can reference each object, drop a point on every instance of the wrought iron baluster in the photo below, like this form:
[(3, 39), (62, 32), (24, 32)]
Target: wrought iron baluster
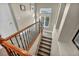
[(28, 36), (36, 27), (24, 40), (7, 50), (39, 27), (11, 41), (32, 32), (11, 53), (17, 42), (15, 53), (21, 41)]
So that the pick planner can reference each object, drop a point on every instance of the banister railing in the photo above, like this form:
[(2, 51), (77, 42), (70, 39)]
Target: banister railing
[(12, 50), (20, 31), (20, 42)]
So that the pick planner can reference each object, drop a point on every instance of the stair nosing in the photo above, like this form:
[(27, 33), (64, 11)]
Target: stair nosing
[(44, 51), (46, 41), (45, 47), (45, 44), (46, 37), (39, 54)]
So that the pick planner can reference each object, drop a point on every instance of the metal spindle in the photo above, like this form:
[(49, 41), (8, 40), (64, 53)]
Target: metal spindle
[(17, 42), (11, 53), (21, 41), (28, 36), (24, 40), (39, 26), (36, 28), (32, 32), (7, 50), (11, 41), (15, 53)]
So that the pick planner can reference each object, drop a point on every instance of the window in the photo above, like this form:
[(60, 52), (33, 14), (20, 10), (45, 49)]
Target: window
[(42, 19), (46, 21), (45, 15), (45, 10)]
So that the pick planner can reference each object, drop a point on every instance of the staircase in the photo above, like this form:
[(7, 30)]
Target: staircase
[(20, 42), (44, 47)]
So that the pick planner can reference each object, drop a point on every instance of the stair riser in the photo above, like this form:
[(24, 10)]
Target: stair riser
[(47, 41), (45, 52), (45, 48), (40, 55), (46, 44), (46, 38)]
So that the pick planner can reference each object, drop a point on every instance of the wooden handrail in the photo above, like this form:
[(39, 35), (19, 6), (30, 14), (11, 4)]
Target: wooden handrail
[(1, 40), (17, 50), (14, 48), (7, 38)]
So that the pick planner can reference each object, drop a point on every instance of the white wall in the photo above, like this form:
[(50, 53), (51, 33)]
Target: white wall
[(68, 27), (62, 7), (23, 18), (7, 25), (71, 23)]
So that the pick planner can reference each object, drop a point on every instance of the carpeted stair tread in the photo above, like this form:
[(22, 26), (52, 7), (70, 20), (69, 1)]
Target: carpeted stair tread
[(45, 46), (46, 37), (44, 50), (46, 42), (42, 53)]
